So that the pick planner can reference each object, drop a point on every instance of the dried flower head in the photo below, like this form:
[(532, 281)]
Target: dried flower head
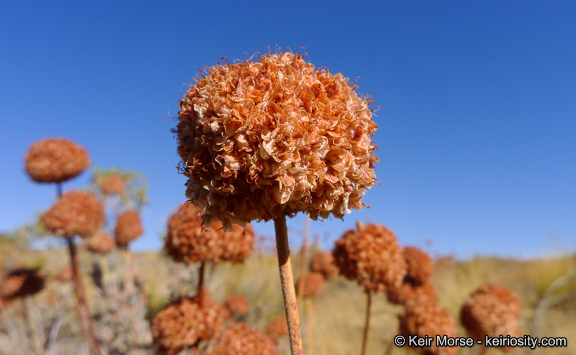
[(241, 339), (100, 243), (427, 318), (420, 266), (76, 213), (277, 327), (188, 241), (370, 255), (408, 294), (324, 263), (128, 227), (112, 184), (186, 322), (55, 160), (491, 310), (21, 283), (312, 282), (268, 139), (237, 305), (64, 275)]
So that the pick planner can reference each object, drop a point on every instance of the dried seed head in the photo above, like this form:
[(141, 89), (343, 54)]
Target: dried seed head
[(76, 213), (241, 339), (312, 282), (237, 305), (268, 139), (100, 243), (188, 241), (491, 310), (408, 294), (112, 184), (21, 283), (324, 264), (277, 327), (55, 160), (420, 266), (185, 322), (128, 227), (427, 318), (370, 255)]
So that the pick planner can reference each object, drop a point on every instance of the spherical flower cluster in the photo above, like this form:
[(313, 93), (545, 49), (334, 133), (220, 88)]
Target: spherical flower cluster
[(55, 160), (241, 339), (420, 266), (428, 319), (128, 227), (100, 243), (416, 285), (370, 255), (313, 284), (188, 241), (324, 263), (237, 305), (408, 294), (21, 283), (268, 139), (76, 213), (491, 310), (277, 327), (186, 322), (112, 184)]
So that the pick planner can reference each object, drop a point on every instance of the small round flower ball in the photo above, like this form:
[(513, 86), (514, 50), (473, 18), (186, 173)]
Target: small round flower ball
[(491, 310), (427, 318), (237, 305), (128, 227), (370, 255), (408, 294), (313, 284), (420, 265), (112, 184), (277, 327), (55, 160), (324, 263), (21, 283), (185, 322), (241, 339), (188, 241), (76, 213), (268, 139), (100, 243)]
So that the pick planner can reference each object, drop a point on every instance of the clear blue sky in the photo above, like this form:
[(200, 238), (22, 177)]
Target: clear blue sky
[(477, 126)]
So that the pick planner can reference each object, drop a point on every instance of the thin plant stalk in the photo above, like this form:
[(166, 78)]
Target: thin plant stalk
[(309, 326), (287, 282), (367, 325), (303, 257), (200, 289)]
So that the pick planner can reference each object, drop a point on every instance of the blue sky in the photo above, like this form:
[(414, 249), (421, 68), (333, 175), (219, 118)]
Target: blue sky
[(477, 126)]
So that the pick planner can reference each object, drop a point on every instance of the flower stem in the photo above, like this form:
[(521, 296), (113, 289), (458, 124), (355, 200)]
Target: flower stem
[(367, 325), (287, 281)]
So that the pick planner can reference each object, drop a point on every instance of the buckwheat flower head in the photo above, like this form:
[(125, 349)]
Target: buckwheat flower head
[(277, 327), (237, 305), (128, 227), (268, 139), (324, 263), (112, 184), (241, 339), (55, 160), (76, 213), (420, 266), (100, 243), (370, 255), (312, 282), (21, 283), (408, 294)]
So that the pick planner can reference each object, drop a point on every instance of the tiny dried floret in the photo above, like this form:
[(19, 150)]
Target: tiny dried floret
[(21, 283), (277, 327), (313, 284), (371, 255), (408, 294), (76, 213), (324, 263), (188, 241), (100, 243), (128, 227), (268, 139), (186, 322), (241, 339), (427, 318), (112, 184), (237, 305), (55, 160), (420, 266)]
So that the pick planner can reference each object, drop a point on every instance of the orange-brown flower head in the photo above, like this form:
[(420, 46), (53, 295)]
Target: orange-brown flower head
[(64, 275), (55, 160), (277, 327), (76, 213), (100, 243), (312, 282), (268, 139), (188, 241), (185, 322), (427, 318), (128, 227), (420, 266), (408, 294), (491, 310), (237, 305), (241, 339), (370, 255), (324, 263), (21, 283), (112, 184)]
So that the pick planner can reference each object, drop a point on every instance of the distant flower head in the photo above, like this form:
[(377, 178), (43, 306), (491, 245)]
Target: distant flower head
[(277, 327), (241, 339), (128, 227), (76, 213), (370, 255), (267, 139), (237, 305), (64, 275), (55, 160), (324, 263), (420, 266), (312, 282), (21, 283), (100, 243), (112, 184), (408, 294)]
